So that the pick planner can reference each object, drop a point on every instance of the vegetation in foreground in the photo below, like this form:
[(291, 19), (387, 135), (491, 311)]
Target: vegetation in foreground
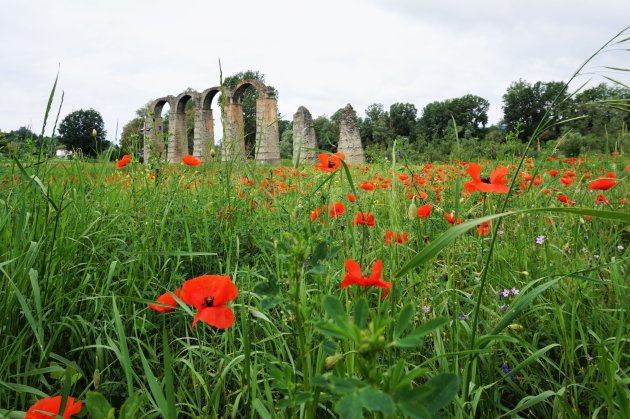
[(319, 330)]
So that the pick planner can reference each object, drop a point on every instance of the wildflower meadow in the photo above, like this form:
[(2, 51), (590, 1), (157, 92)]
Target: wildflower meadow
[(490, 288)]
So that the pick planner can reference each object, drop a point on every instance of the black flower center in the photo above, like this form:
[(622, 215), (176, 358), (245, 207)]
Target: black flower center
[(330, 164), (208, 301), (485, 180)]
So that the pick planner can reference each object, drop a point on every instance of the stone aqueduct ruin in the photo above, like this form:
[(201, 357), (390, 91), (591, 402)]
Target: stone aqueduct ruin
[(233, 145)]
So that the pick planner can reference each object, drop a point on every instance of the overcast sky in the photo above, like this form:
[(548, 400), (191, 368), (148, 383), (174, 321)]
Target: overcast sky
[(114, 56)]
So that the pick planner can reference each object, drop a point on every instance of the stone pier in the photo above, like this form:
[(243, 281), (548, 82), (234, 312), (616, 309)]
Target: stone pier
[(349, 138), (304, 139)]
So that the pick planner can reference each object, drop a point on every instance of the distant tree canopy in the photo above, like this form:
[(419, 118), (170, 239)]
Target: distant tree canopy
[(469, 112), (526, 104), (600, 110), (75, 132), (132, 136)]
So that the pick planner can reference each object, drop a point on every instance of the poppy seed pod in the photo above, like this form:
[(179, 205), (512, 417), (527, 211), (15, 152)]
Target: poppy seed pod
[(412, 212)]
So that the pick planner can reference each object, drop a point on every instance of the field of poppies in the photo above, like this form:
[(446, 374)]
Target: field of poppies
[(461, 289)]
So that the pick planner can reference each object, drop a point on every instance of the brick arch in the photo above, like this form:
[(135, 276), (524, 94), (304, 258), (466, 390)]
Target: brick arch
[(207, 96), (240, 88)]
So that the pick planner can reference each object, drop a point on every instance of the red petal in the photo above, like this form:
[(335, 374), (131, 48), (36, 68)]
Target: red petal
[(377, 268), (497, 175), (353, 268), (474, 170), (167, 299), (220, 317), (52, 405), (195, 291)]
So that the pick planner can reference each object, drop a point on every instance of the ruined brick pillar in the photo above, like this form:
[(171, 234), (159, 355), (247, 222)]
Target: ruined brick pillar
[(303, 136), (178, 140), (204, 133), (349, 138), (267, 134), (234, 141)]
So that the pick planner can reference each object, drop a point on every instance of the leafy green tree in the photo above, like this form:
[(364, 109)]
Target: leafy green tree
[(527, 103), (76, 130), (375, 128), (601, 110), (470, 113), (132, 136), (402, 117), (3, 142), (249, 105), (325, 133)]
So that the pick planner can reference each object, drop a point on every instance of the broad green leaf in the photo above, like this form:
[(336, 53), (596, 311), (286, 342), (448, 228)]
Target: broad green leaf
[(335, 310), (441, 391), (98, 406), (405, 316), (350, 406), (373, 399)]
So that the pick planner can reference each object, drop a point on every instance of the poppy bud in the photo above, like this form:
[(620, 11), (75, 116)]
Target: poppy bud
[(94, 132), (212, 153), (516, 326), (413, 209), (96, 378), (331, 361)]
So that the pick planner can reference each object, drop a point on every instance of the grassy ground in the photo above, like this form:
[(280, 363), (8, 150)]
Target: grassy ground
[(84, 248)]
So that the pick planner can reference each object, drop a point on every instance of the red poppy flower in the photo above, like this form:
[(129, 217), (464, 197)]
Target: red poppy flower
[(565, 199), (209, 294), (354, 276), (124, 160), (367, 186), (351, 197), (400, 239), (450, 218), (329, 163), (337, 209), (52, 405), (424, 211), (191, 160), (364, 219), (566, 180), (553, 173), (314, 214), (602, 184), (495, 183), (483, 229), (166, 299), (601, 199)]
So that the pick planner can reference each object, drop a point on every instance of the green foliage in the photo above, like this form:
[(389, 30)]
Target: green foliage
[(76, 131), (469, 112), (386, 391), (527, 103)]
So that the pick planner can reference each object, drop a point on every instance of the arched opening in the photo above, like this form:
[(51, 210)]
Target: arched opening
[(156, 129), (211, 129), (184, 117), (246, 95)]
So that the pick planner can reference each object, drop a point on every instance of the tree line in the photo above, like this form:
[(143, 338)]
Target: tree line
[(592, 119)]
